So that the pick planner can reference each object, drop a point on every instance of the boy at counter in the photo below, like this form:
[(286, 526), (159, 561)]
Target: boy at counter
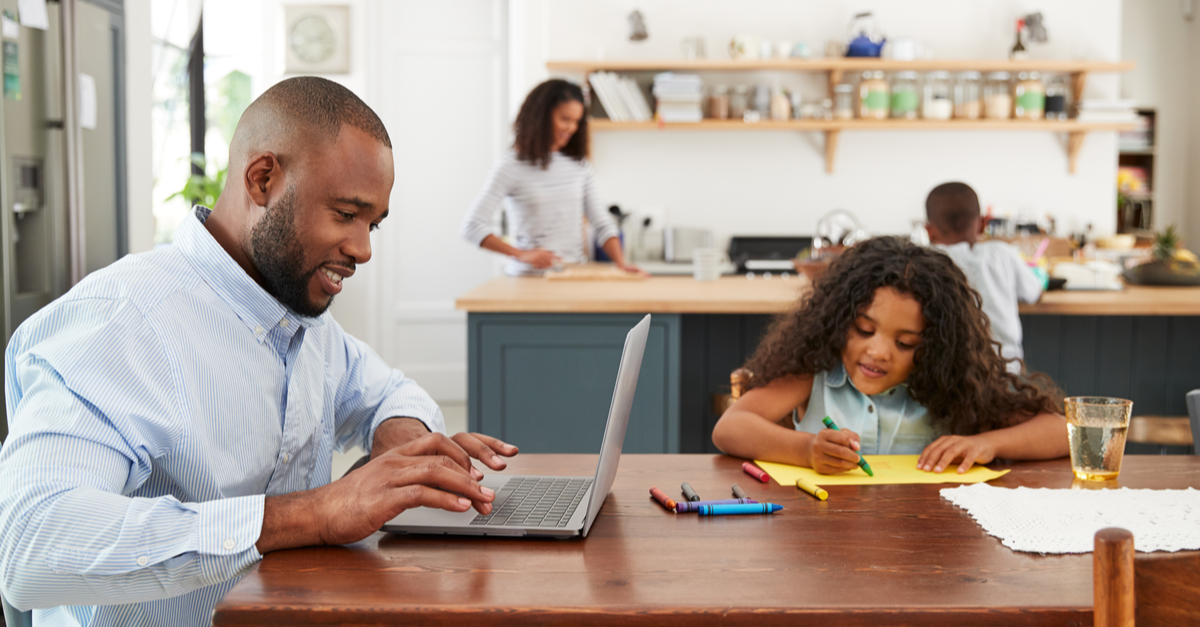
[(994, 269)]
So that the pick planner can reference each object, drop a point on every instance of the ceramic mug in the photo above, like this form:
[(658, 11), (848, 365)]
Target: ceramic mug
[(743, 48), (707, 263)]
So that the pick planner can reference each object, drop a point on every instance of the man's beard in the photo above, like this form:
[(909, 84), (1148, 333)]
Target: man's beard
[(279, 257)]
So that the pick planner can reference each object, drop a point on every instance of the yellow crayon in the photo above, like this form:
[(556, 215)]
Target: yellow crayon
[(812, 489)]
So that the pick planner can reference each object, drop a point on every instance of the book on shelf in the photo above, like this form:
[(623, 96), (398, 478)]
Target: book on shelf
[(621, 97), (679, 97)]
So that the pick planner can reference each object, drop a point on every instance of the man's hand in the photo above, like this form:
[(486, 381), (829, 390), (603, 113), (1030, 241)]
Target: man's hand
[(396, 432), (832, 451), (404, 433), (358, 504), (485, 448)]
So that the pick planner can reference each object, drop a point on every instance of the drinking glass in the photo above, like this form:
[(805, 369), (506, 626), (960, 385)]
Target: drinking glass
[(1096, 427)]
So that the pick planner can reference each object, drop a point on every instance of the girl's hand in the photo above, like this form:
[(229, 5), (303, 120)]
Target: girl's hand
[(539, 258), (833, 451), (949, 449)]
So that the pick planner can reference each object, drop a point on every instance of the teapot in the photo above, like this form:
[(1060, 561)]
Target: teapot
[(864, 37)]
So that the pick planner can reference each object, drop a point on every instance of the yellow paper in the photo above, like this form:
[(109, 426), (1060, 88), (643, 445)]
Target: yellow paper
[(889, 469)]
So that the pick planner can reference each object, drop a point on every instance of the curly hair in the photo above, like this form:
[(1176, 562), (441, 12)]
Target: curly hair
[(534, 127), (958, 373)]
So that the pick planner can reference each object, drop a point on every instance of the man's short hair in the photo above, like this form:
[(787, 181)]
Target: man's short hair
[(952, 208), (322, 107)]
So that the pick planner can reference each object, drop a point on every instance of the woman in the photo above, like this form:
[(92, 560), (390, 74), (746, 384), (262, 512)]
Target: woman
[(548, 186)]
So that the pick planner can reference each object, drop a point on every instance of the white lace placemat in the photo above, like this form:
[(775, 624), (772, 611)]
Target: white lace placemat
[(1041, 520)]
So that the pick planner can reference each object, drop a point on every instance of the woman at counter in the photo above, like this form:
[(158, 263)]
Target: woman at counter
[(547, 185)]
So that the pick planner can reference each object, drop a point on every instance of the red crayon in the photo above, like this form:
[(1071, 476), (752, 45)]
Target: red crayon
[(662, 497), (755, 471)]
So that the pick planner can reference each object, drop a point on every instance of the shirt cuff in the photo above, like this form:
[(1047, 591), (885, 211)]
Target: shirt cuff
[(228, 530)]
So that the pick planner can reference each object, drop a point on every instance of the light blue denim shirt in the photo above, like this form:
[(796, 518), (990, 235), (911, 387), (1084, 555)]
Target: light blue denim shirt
[(889, 423)]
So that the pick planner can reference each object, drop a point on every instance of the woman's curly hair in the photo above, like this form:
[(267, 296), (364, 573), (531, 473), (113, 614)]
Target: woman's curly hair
[(958, 373), (534, 127)]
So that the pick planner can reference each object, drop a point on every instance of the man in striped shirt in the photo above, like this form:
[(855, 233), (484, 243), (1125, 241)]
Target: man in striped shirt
[(173, 416)]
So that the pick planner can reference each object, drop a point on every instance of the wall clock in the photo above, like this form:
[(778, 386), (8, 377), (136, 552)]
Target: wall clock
[(317, 39)]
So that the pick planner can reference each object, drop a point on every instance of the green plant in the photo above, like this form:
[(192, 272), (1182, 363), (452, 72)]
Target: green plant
[(1165, 243), (203, 189)]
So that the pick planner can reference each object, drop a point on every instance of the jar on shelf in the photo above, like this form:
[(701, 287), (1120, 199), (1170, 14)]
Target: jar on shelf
[(1029, 96), (843, 101), (937, 103), (997, 96), (968, 96), (1058, 93), (738, 102), (873, 96), (905, 97), (718, 103)]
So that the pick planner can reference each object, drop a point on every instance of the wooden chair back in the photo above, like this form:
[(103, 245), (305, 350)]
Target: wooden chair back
[(1150, 590), (1193, 407)]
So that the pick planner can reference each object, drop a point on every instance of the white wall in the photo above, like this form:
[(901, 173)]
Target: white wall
[(774, 182), (1166, 48), (138, 140)]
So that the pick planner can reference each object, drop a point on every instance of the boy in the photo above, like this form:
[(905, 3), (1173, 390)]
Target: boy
[(994, 269)]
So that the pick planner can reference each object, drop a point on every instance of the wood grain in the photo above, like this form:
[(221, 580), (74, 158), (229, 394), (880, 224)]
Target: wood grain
[(1112, 572), (870, 555), (1162, 430), (738, 295)]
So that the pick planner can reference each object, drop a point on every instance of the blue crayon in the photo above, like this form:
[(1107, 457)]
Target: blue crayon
[(747, 508), (684, 507)]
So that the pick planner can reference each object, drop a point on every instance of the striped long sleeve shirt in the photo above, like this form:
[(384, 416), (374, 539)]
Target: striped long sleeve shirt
[(545, 208), (151, 410)]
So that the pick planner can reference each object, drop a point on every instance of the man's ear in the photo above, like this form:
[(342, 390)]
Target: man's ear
[(263, 177), (980, 225)]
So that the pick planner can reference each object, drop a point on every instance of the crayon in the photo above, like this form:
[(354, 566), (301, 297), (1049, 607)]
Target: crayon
[(862, 463), (812, 489), (739, 493), (755, 471), (748, 508), (685, 507), (688, 492), (662, 498)]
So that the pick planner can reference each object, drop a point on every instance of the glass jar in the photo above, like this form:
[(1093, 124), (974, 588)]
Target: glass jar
[(718, 103), (936, 104), (1029, 96), (997, 96), (843, 101), (1058, 94), (904, 96), (873, 96), (968, 100), (738, 102)]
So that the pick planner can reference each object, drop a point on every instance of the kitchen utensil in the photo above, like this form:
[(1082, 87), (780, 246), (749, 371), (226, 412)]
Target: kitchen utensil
[(863, 38)]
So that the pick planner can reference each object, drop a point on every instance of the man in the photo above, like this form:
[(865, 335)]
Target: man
[(172, 417), (995, 269)]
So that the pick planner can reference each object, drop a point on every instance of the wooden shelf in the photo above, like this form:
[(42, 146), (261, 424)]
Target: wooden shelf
[(836, 68)]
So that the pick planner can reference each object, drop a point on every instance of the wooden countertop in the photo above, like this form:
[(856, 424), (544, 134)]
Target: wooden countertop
[(738, 295)]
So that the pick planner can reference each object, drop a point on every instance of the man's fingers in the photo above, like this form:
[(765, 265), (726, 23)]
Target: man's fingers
[(438, 444), (485, 449), (444, 477), (496, 444)]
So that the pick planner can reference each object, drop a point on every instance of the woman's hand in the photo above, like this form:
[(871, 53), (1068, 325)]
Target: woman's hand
[(632, 269), (832, 451), (950, 449), (539, 258)]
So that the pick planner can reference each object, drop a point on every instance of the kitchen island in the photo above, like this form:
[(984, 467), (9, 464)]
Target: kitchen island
[(542, 355)]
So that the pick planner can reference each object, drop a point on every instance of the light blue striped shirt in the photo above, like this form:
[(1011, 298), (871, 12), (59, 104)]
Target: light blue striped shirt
[(151, 409)]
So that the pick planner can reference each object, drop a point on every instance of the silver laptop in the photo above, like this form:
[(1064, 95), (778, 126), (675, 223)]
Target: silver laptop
[(560, 507)]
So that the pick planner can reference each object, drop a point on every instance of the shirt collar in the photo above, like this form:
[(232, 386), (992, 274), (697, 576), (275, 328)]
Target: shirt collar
[(256, 308), (837, 378)]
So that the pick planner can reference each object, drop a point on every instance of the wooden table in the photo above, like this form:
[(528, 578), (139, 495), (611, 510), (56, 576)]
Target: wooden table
[(870, 555)]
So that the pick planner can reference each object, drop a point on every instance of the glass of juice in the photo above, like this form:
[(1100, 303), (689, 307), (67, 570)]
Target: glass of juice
[(1096, 427)]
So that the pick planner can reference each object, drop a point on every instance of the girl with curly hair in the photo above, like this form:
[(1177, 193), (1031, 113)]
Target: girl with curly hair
[(893, 345), (546, 186)]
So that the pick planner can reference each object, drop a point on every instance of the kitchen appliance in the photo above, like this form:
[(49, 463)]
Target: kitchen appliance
[(772, 253), (679, 243), (863, 38)]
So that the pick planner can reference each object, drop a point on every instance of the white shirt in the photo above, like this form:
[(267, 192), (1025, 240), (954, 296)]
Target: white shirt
[(545, 208), (151, 410), (1003, 279)]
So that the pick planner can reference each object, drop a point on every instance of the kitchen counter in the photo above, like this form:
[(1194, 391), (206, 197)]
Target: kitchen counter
[(738, 295)]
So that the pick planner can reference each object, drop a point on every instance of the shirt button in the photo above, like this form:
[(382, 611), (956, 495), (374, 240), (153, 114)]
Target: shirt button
[(283, 323), (142, 561), (258, 330), (871, 408), (228, 544)]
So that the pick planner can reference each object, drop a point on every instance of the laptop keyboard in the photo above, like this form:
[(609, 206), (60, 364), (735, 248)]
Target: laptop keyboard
[(536, 502)]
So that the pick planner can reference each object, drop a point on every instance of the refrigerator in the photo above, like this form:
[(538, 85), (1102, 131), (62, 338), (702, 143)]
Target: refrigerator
[(62, 161)]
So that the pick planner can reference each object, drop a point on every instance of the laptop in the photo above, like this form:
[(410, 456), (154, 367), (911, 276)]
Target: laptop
[(556, 507)]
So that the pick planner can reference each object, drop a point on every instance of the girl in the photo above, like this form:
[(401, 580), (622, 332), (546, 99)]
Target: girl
[(548, 185), (892, 344)]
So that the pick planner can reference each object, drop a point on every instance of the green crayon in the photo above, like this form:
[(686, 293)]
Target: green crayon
[(862, 463)]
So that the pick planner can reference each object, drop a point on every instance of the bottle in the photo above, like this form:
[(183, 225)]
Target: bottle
[(873, 96), (904, 95), (781, 105), (1018, 49), (1029, 96), (937, 105), (968, 102)]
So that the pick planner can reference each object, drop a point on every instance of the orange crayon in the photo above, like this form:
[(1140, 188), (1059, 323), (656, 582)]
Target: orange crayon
[(662, 498)]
